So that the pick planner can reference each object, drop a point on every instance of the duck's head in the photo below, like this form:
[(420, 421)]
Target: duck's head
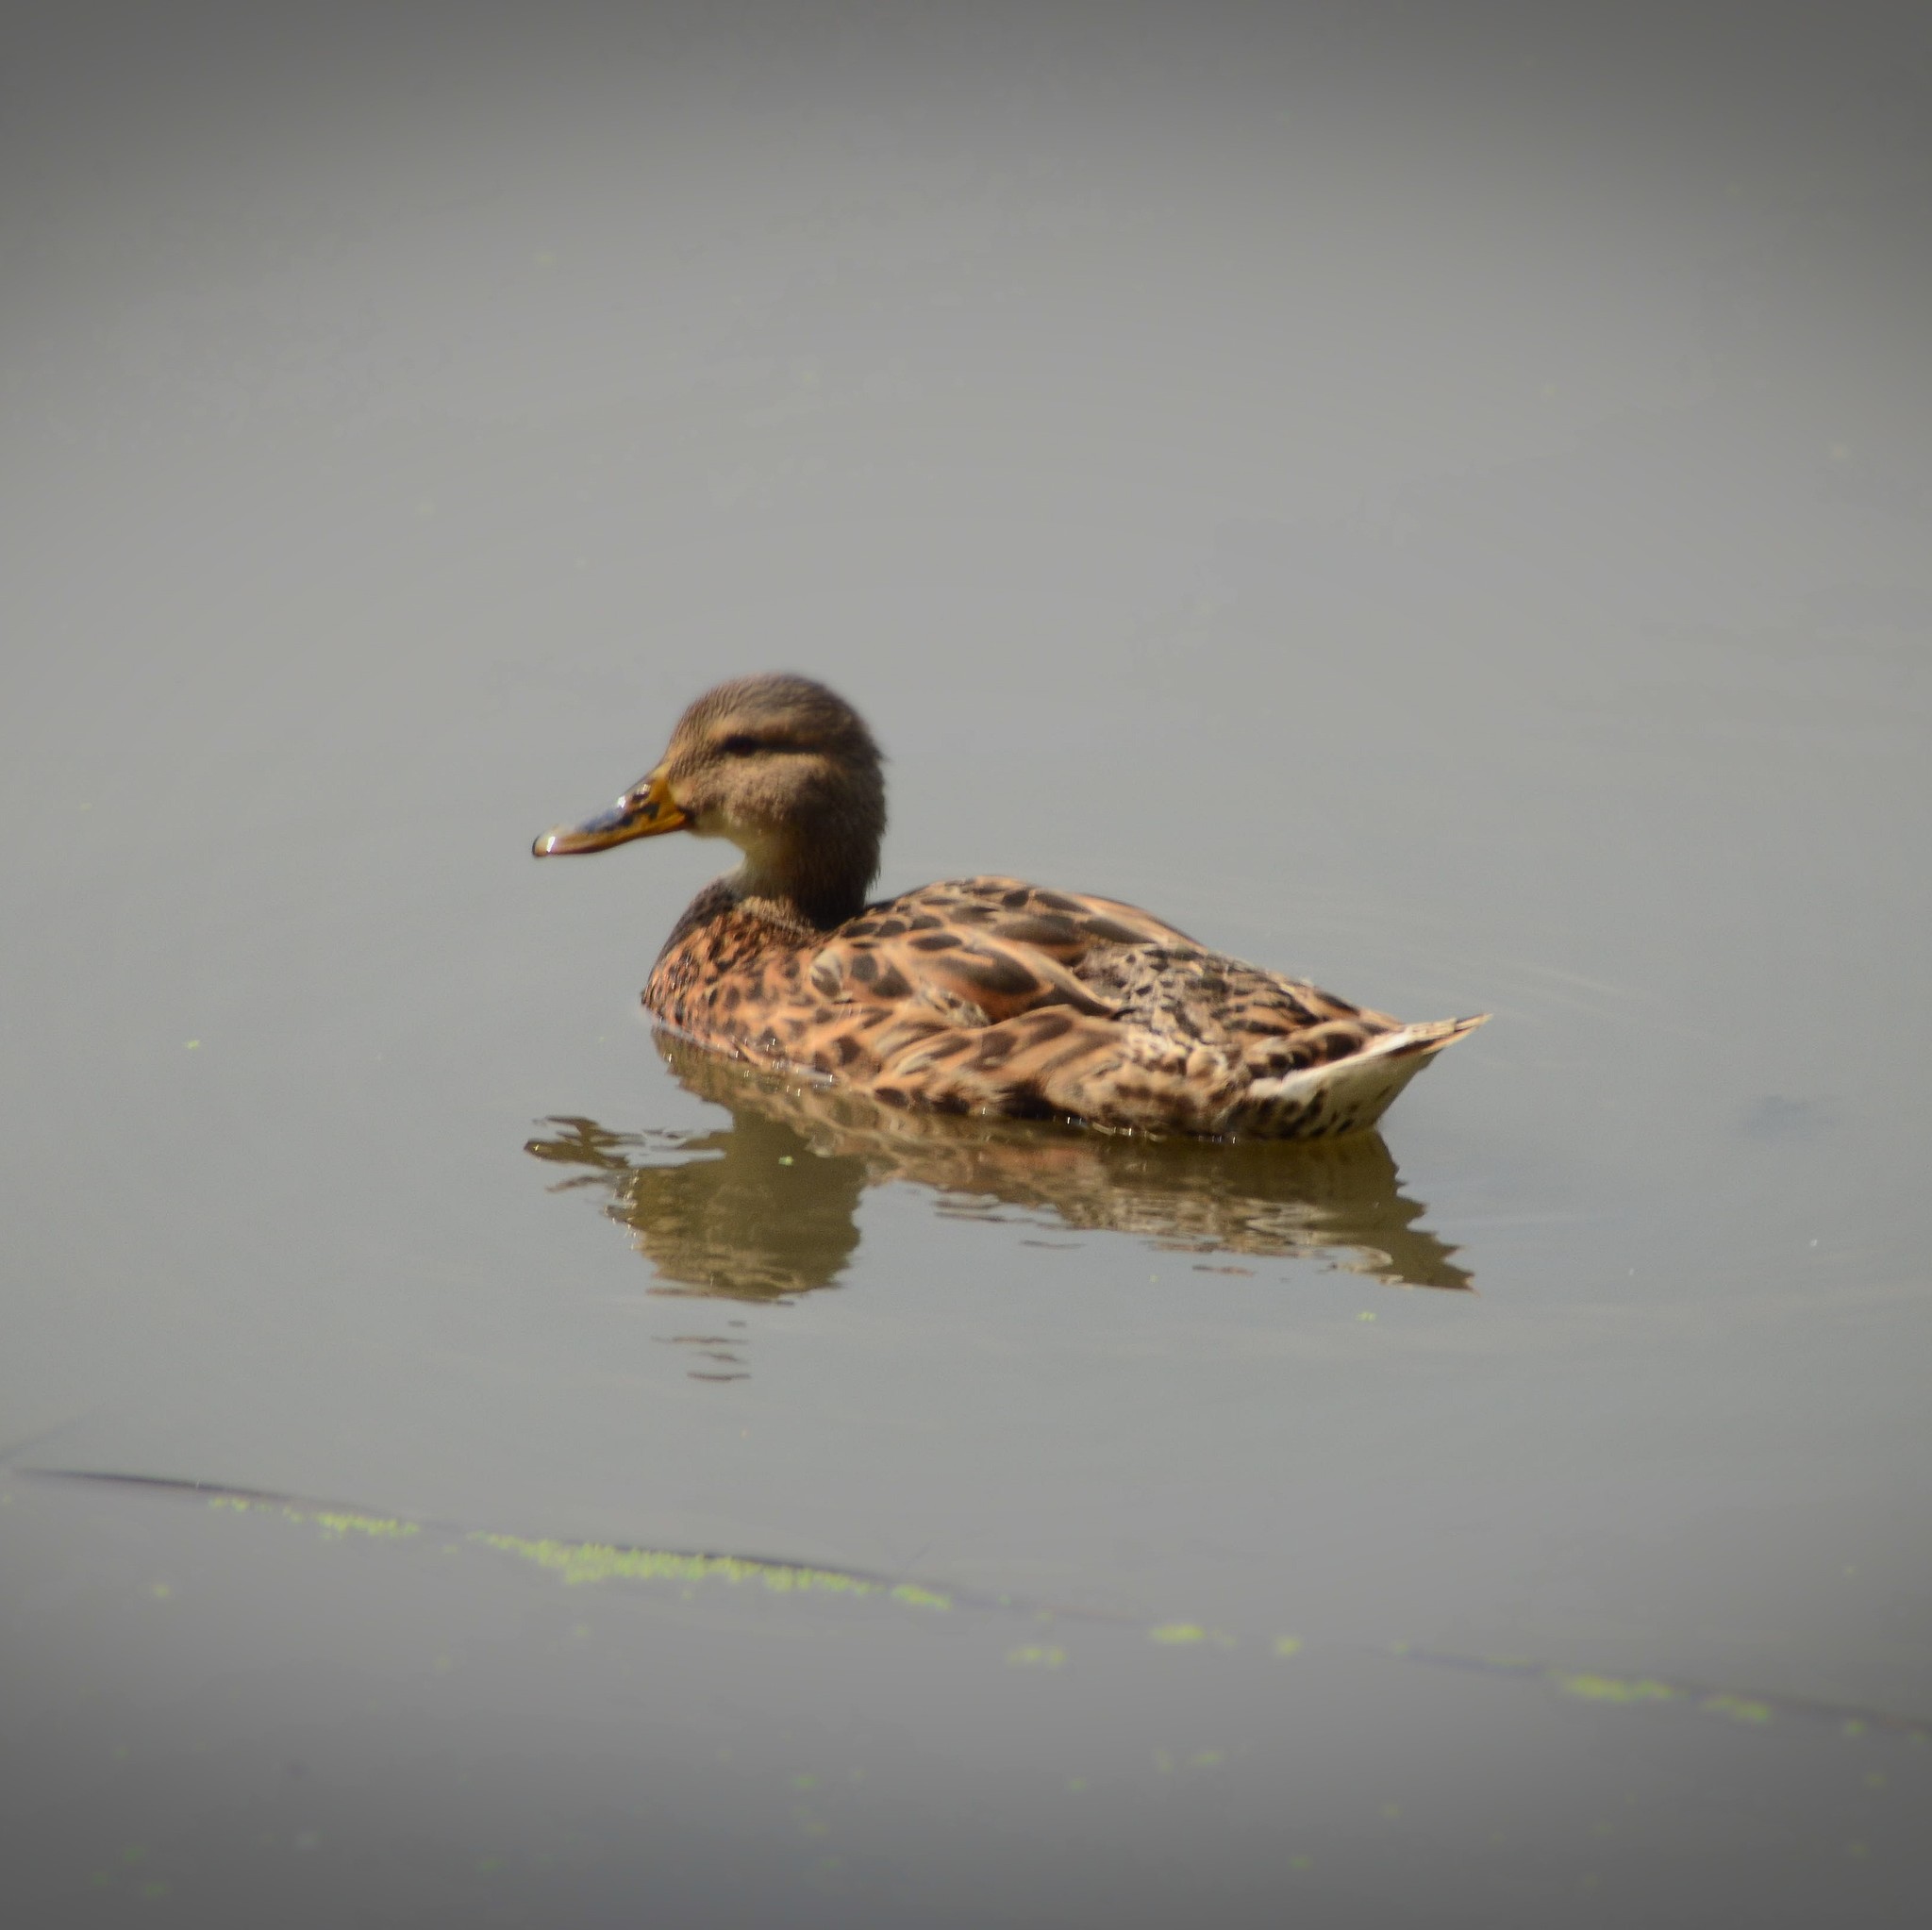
[(784, 769)]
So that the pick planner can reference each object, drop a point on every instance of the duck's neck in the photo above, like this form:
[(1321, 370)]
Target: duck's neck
[(812, 887)]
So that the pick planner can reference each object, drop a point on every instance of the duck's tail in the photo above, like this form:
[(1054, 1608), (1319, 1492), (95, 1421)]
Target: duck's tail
[(1347, 1095)]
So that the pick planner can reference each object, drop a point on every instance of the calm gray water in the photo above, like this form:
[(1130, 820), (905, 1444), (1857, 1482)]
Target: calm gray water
[(1441, 512)]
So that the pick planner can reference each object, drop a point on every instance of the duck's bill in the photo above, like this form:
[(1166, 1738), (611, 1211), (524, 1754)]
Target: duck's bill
[(645, 810)]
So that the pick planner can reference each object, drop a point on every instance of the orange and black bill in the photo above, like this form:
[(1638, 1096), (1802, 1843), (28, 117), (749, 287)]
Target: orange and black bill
[(647, 809)]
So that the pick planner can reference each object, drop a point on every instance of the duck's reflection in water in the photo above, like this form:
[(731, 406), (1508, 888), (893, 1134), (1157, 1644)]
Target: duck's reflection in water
[(766, 1207)]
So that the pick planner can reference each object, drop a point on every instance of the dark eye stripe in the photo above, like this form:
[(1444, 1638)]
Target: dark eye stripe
[(745, 743)]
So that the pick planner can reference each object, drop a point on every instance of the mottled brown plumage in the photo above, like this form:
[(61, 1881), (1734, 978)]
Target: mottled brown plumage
[(980, 994)]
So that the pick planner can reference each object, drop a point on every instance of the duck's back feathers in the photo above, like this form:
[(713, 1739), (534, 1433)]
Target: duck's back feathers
[(987, 994)]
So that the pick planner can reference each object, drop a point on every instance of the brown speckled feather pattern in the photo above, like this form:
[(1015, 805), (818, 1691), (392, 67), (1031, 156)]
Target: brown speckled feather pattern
[(983, 995), (990, 995)]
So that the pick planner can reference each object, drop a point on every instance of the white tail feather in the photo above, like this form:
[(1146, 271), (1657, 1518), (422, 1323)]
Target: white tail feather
[(1347, 1095)]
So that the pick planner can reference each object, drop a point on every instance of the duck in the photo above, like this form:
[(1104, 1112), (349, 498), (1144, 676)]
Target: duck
[(981, 995)]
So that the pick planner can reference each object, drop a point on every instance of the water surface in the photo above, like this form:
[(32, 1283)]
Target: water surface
[(1456, 538)]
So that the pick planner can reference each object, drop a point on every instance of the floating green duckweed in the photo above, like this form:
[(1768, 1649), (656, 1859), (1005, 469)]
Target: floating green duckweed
[(1184, 1634), (1740, 1709), (335, 1521), (1613, 1688), (582, 1562), (576, 1562), (915, 1597)]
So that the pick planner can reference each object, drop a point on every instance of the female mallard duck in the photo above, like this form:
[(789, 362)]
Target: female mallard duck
[(980, 994)]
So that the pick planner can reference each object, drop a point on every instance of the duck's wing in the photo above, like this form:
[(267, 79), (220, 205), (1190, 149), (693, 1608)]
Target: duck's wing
[(1148, 972), (1066, 924), (996, 945), (984, 994), (923, 949), (987, 994), (978, 952)]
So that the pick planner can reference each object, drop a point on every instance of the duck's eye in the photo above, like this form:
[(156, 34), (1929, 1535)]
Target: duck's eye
[(740, 744)]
